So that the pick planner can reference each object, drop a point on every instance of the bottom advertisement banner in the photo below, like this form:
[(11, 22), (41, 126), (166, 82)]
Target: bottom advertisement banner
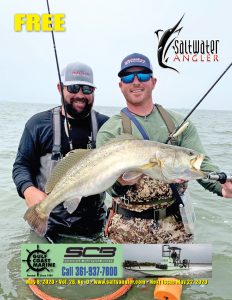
[(43, 262)]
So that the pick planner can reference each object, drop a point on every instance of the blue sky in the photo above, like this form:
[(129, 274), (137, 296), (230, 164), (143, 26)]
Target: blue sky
[(101, 33)]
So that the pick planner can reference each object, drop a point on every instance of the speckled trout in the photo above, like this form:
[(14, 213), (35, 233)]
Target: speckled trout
[(88, 172)]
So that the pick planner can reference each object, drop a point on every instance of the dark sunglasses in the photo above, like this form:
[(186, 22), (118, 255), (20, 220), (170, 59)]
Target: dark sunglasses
[(142, 77), (75, 88)]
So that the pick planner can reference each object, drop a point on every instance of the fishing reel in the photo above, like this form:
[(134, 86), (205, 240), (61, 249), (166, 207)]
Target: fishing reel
[(219, 176)]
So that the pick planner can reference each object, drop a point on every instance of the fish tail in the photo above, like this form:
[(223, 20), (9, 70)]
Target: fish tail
[(37, 220)]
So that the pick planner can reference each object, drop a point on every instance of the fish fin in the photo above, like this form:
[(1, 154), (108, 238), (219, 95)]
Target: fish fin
[(131, 175), (37, 220), (72, 204), (63, 166), (151, 164), (147, 166)]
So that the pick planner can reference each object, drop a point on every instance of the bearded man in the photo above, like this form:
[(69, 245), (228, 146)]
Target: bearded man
[(47, 137)]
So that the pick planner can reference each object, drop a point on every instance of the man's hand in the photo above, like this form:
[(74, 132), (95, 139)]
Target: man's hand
[(180, 181), (33, 196), (227, 189), (129, 182)]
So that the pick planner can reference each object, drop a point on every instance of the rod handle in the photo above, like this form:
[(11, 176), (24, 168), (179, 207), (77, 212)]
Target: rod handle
[(221, 177)]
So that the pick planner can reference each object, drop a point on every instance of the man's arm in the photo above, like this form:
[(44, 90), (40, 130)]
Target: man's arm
[(190, 139), (26, 163)]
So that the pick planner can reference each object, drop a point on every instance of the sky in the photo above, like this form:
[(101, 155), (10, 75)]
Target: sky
[(101, 33), (197, 253)]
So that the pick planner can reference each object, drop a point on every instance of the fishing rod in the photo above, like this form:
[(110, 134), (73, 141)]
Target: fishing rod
[(221, 177), (61, 86), (194, 108)]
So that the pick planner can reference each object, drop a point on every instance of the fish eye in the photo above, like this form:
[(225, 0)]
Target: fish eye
[(191, 153)]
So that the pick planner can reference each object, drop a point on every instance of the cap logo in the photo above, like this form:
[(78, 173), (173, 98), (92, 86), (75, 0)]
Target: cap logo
[(129, 61), (80, 73)]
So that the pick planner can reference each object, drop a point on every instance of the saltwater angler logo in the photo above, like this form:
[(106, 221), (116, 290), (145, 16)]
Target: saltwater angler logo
[(183, 50), (37, 262)]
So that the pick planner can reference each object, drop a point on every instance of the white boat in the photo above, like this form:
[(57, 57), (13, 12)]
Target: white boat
[(171, 264)]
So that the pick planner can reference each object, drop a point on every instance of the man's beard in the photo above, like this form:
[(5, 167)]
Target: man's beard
[(78, 114)]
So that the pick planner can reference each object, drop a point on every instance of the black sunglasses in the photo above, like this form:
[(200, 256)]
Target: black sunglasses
[(75, 88)]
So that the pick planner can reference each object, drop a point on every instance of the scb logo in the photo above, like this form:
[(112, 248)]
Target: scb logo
[(73, 252)]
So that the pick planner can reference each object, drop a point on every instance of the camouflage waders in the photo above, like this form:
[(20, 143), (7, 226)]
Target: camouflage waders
[(147, 194)]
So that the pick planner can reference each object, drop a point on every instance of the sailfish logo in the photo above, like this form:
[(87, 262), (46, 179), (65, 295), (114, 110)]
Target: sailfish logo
[(165, 43)]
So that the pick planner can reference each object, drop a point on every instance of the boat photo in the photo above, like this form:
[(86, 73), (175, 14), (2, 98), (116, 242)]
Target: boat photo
[(171, 264)]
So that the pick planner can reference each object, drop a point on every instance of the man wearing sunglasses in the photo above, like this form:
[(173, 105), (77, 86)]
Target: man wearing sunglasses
[(145, 210), (45, 141)]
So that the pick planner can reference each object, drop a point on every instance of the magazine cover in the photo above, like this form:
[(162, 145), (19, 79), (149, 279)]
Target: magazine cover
[(116, 177)]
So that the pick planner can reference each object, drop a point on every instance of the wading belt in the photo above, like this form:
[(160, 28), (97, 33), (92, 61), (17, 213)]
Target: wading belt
[(151, 213)]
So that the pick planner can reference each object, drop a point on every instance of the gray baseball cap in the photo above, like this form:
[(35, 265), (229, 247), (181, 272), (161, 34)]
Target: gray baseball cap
[(77, 73)]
